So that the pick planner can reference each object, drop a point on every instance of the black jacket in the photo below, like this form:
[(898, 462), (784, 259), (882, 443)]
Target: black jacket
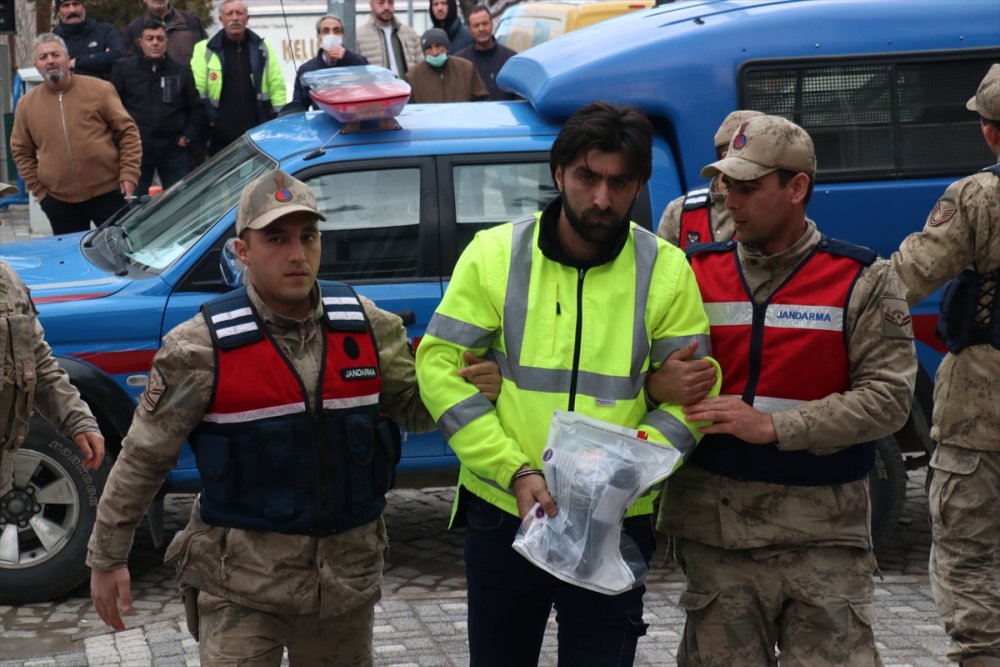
[(161, 98), (301, 93), (96, 46), (184, 30)]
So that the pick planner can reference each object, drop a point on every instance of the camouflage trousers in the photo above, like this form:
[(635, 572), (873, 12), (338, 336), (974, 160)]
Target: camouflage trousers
[(964, 570), (813, 606), (231, 634)]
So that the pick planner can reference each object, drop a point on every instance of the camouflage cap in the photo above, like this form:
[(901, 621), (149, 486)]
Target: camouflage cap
[(272, 196), (7, 189), (729, 125), (986, 101), (764, 144)]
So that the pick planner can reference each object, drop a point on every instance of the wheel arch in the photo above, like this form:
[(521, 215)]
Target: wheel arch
[(111, 405)]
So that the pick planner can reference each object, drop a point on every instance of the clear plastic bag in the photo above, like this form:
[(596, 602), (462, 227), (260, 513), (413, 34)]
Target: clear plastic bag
[(594, 471)]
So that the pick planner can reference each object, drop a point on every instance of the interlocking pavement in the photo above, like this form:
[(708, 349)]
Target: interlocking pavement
[(421, 618)]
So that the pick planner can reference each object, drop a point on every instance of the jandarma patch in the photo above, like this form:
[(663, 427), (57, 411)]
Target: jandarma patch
[(360, 373)]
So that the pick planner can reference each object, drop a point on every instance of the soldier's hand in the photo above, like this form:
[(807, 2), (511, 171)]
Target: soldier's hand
[(483, 373), (532, 489), (106, 590), (681, 380), (731, 415), (91, 443)]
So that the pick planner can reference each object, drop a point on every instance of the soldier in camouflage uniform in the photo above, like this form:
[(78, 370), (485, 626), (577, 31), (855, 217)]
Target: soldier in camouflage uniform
[(30, 377), (720, 221), (304, 584), (770, 516), (963, 232)]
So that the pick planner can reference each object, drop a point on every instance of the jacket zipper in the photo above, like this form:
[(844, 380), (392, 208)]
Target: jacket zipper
[(69, 144), (576, 342)]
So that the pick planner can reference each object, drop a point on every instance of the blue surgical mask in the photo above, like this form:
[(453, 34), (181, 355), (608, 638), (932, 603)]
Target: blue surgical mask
[(436, 61)]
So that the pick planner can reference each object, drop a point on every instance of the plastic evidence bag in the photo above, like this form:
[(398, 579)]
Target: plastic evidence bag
[(594, 471)]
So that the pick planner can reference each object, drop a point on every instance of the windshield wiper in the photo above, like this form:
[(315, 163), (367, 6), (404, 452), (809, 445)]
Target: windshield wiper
[(115, 237)]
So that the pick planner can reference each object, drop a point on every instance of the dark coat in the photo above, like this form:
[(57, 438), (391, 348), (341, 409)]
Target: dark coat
[(488, 64), (96, 46), (162, 99), (184, 30), (458, 34), (300, 96)]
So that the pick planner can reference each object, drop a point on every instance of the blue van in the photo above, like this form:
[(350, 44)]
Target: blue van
[(880, 85)]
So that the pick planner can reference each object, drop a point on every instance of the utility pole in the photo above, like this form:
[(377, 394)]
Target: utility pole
[(345, 9)]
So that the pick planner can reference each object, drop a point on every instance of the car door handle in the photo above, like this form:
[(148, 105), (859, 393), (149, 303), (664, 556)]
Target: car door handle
[(408, 317)]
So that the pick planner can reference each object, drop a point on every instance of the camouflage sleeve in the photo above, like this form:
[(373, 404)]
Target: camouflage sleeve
[(670, 223), (174, 402), (947, 244), (55, 398), (400, 394), (883, 368)]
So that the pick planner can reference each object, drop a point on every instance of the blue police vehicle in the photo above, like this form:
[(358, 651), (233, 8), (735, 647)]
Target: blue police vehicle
[(879, 84)]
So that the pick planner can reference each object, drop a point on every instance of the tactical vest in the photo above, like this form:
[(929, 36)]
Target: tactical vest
[(778, 354), (268, 460), (970, 309), (696, 223)]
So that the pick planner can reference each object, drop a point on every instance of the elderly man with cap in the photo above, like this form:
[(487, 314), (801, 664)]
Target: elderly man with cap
[(93, 47), (961, 240), (701, 216), (769, 517), (279, 386), (444, 78)]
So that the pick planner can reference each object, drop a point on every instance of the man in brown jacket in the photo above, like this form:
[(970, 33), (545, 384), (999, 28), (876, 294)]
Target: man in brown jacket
[(74, 144), (444, 78)]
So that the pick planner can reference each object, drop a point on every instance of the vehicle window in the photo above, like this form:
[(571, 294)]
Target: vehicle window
[(372, 223), (881, 118), (163, 229), (490, 194)]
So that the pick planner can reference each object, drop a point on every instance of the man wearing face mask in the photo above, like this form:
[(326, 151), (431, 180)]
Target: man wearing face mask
[(330, 34), (441, 78)]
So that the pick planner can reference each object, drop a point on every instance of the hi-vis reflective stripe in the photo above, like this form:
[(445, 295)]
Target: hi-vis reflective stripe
[(290, 409), (674, 430), (729, 313), (252, 415), (462, 414), (699, 196), (515, 315), (458, 332), (664, 347), (340, 308), (770, 404), (785, 316), (245, 314)]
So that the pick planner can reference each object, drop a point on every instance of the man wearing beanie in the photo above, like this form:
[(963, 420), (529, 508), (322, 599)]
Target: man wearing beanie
[(444, 15), (769, 517), (93, 47), (701, 216), (441, 78), (961, 240)]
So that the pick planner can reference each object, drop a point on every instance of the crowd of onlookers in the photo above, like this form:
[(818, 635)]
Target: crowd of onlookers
[(156, 100)]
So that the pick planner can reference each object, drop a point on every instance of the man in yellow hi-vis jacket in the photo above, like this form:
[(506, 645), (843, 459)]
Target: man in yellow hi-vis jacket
[(577, 305)]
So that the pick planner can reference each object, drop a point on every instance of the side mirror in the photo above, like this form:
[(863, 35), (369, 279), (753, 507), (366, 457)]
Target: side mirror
[(230, 265)]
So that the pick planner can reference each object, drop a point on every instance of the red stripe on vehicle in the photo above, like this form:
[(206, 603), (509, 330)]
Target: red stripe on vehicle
[(923, 329), (115, 363), (69, 297)]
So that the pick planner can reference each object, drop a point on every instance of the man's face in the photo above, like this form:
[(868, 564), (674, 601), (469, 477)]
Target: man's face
[(330, 27), (51, 60), (234, 17), (154, 43), (439, 9), (481, 27), (598, 195), (158, 7), (283, 260), (435, 50), (71, 12), (764, 213), (383, 9)]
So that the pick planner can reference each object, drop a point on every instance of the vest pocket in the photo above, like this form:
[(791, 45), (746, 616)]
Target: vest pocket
[(374, 451), (212, 455), (278, 444)]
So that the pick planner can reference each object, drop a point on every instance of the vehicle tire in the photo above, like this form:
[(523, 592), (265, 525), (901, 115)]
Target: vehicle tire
[(47, 518), (887, 481)]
